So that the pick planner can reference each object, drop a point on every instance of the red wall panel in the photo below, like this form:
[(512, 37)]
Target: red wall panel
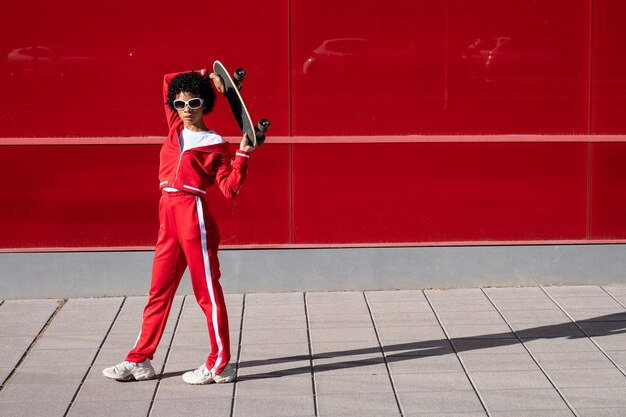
[(609, 67), (608, 191), (107, 196), (439, 192), (75, 68), (440, 67)]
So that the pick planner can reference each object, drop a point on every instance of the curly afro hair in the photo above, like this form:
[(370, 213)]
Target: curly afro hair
[(193, 83)]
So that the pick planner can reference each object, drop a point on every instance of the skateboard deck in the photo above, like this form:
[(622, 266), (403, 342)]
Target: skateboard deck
[(256, 134)]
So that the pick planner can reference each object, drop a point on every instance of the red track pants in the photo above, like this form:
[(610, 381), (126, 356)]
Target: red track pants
[(188, 236)]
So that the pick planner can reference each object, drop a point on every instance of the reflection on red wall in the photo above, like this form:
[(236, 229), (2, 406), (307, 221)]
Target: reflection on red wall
[(325, 69), (91, 69), (440, 67)]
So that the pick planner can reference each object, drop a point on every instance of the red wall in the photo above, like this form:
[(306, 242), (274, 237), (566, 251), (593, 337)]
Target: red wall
[(363, 101)]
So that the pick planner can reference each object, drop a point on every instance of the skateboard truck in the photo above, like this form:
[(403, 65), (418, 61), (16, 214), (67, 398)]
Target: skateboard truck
[(262, 127), (238, 76)]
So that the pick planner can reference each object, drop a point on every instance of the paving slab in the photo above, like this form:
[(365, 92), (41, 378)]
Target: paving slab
[(560, 344), (405, 319), (19, 315), (263, 310), (601, 412), (464, 318), (300, 385), (273, 299), (532, 330), (523, 399), (39, 392), (431, 403), (510, 380), (341, 384), (20, 328), (53, 374), (515, 292), (275, 406), (93, 303), (196, 407), (350, 334), (437, 382), (5, 372), (59, 357), (394, 334), (576, 291), (334, 297), (355, 404), (353, 365), (463, 305), (173, 387), (109, 408), (588, 378), (378, 307), (10, 357), (35, 409), (604, 397), (499, 362), (424, 364), (15, 342), (573, 360), (321, 309), (517, 304), (276, 322), (395, 296), (491, 331), (456, 294)]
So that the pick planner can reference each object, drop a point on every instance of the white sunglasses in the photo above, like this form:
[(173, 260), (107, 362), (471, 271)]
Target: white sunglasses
[(194, 103)]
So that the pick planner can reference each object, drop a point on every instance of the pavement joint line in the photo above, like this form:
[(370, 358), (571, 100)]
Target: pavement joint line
[(613, 297), (456, 352), (308, 337), (543, 370), (239, 347), (382, 351), (587, 334), (167, 355), (104, 339), (60, 305)]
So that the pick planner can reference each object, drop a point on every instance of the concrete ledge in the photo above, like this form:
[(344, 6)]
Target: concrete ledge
[(86, 274)]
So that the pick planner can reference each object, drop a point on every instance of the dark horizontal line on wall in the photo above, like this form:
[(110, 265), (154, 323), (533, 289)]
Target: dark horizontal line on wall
[(155, 140), (336, 245)]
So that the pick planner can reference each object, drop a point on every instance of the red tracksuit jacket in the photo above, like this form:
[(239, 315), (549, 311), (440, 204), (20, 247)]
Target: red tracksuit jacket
[(195, 170)]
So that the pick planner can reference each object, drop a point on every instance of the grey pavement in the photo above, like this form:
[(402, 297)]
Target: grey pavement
[(530, 351)]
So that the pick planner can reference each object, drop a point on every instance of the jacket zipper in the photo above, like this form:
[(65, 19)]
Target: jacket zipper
[(177, 168)]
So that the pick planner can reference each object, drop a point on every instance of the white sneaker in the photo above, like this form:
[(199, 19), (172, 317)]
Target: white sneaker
[(128, 370), (202, 375)]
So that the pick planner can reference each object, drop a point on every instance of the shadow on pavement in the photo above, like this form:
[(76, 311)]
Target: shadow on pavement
[(611, 324)]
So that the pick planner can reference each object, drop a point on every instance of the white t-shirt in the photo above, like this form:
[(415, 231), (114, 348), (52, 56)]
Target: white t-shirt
[(189, 140)]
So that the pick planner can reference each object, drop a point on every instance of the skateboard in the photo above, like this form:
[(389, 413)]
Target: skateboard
[(232, 86)]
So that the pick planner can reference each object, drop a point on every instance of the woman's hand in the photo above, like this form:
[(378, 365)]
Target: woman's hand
[(245, 145), (217, 82)]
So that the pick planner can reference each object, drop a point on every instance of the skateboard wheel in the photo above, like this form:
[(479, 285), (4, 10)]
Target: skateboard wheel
[(263, 125), (239, 74)]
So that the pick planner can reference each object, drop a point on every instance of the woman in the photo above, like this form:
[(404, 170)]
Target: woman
[(193, 158)]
